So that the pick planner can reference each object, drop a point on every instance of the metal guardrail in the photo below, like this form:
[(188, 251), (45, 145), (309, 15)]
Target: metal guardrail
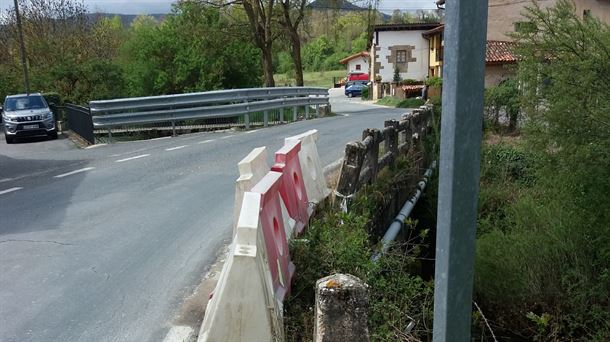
[(79, 121), (213, 104)]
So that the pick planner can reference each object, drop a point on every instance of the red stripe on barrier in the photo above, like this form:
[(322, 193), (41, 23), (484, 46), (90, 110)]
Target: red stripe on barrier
[(278, 257), (292, 188)]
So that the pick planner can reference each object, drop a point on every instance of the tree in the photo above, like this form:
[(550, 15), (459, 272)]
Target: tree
[(260, 16), (182, 54), (396, 77), (293, 14), (551, 242)]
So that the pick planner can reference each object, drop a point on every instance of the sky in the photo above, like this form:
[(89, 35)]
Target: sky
[(164, 6)]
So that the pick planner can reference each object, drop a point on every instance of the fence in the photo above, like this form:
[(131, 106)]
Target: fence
[(79, 120), (272, 205), (241, 107), (362, 162)]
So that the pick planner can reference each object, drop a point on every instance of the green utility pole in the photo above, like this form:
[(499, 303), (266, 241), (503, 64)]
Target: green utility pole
[(458, 185)]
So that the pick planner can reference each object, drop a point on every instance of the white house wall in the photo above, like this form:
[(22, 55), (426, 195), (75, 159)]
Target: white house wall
[(364, 65), (417, 54)]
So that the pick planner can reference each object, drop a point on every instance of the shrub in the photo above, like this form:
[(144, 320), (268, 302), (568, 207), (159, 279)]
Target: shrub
[(365, 93), (336, 242), (434, 81)]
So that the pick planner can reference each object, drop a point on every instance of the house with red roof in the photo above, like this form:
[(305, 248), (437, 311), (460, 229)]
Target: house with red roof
[(357, 63)]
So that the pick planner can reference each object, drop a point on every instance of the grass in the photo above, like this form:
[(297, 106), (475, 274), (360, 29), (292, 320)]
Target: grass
[(323, 79), (337, 242), (392, 101)]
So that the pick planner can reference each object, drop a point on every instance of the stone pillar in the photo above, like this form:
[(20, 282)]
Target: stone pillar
[(341, 309)]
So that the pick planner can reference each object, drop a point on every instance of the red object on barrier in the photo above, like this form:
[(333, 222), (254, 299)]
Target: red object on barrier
[(278, 257), (293, 189)]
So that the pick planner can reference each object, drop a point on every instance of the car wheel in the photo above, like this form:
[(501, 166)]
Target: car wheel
[(53, 135), (350, 95)]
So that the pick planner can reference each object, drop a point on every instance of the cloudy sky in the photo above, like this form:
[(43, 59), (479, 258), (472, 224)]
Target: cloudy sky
[(163, 6)]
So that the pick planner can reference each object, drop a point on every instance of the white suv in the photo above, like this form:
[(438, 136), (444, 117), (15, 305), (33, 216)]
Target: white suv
[(27, 115)]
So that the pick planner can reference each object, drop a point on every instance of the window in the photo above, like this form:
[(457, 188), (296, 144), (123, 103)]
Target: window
[(358, 67), (401, 56)]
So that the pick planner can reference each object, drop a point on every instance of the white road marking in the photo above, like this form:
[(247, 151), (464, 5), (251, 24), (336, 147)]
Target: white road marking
[(74, 172), (226, 137), (256, 130), (167, 137), (132, 158), (206, 141), (175, 148), (94, 146), (5, 180), (10, 190)]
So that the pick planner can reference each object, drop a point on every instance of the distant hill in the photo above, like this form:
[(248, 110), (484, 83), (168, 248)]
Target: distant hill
[(126, 19), (335, 5), (340, 5)]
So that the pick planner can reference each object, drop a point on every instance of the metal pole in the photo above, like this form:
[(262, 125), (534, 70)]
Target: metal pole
[(459, 167), (247, 115), (26, 76), (266, 118)]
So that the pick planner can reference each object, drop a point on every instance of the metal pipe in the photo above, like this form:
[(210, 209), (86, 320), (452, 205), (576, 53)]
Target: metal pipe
[(404, 213)]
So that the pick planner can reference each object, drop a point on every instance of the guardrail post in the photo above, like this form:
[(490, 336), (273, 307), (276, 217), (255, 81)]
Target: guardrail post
[(295, 113), (109, 136), (247, 120), (282, 114), (307, 112), (391, 140), (350, 170), (266, 118), (173, 128), (373, 153)]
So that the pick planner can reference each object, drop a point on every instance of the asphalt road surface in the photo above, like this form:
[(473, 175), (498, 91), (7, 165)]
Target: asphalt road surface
[(105, 243)]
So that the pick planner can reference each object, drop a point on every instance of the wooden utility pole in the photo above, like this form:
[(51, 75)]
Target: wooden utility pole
[(26, 77)]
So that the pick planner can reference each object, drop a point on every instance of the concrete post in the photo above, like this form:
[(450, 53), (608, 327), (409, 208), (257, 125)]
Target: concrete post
[(341, 309)]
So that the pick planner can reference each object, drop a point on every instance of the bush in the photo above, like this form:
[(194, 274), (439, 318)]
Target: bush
[(365, 93), (434, 81), (337, 242), (52, 98)]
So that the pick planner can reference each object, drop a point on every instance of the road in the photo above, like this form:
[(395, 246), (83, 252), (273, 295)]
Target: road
[(105, 243)]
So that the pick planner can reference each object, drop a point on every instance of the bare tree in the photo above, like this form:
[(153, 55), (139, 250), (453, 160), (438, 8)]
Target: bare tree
[(293, 13), (260, 17)]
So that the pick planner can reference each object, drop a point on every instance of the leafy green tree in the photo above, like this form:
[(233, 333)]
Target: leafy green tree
[(182, 54), (545, 246)]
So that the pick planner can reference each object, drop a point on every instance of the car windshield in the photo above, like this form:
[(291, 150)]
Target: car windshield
[(24, 102)]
